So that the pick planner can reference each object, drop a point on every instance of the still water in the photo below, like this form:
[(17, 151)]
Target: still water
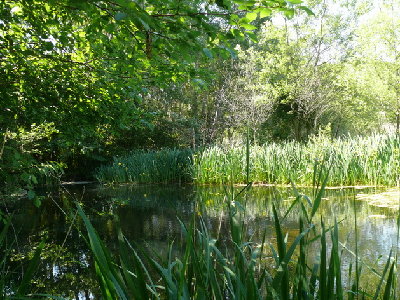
[(149, 217)]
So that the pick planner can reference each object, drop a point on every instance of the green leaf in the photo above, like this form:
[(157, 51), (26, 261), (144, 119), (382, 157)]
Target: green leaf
[(307, 10), (145, 25), (389, 282), (34, 179), (120, 16), (244, 4), (237, 34), (223, 3), (248, 26), (265, 12), (231, 51), (31, 194), (252, 36), (208, 52), (48, 46), (106, 269), (378, 289), (251, 16), (289, 13), (294, 1), (37, 202)]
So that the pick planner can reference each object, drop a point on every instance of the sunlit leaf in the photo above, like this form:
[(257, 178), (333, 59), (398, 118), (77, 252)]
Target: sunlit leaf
[(251, 16), (248, 26)]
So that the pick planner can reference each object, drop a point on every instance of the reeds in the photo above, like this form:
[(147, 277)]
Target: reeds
[(235, 267), (164, 166), (373, 160)]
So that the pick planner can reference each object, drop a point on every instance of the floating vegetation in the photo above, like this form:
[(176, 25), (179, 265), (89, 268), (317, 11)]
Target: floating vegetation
[(389, 199), (377, 216), (237, 267)]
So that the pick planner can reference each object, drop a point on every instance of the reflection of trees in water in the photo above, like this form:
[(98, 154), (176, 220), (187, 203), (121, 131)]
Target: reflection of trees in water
[(63, 271), (66, 263), (148, 216)]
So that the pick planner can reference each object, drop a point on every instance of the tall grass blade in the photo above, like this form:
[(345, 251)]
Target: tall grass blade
[(32, 268), (378, 289), (112, 279), (389, 283), (323, 292)]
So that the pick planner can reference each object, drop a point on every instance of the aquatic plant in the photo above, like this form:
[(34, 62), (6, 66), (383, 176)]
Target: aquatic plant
[(164, 166), (237, 267), (373, 160)]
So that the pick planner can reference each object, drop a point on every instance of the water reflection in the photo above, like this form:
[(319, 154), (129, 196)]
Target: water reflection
[(148, 216)]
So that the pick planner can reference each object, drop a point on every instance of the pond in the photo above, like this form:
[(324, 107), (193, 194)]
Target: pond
[(149, 217)]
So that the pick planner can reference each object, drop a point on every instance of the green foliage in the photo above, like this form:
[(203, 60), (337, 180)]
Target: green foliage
[(20, 156), (206, 267), (165, 166), (370, 160), (83, 70)]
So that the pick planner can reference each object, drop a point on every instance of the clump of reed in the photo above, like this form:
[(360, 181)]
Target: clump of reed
[(373, 160), (238, 268), (164, 166)]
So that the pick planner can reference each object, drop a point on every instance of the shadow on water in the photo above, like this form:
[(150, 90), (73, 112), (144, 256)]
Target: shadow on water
[(148, 216)]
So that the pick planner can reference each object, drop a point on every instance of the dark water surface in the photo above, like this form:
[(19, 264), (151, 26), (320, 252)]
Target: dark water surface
[(148, 216)]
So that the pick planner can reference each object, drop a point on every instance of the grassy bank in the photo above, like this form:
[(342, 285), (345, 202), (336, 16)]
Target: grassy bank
[(373, 160)]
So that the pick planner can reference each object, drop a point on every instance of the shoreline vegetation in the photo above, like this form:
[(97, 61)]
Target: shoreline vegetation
[(275, 92), (359, 161), (235, 266), (240, 268)]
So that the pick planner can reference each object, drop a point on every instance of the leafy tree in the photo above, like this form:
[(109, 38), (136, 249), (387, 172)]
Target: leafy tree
[(308, 74), (84, 68), (379, 54)]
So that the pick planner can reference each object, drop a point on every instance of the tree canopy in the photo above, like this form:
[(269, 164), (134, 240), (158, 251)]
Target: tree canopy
[(82, 81), (73, 74)]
